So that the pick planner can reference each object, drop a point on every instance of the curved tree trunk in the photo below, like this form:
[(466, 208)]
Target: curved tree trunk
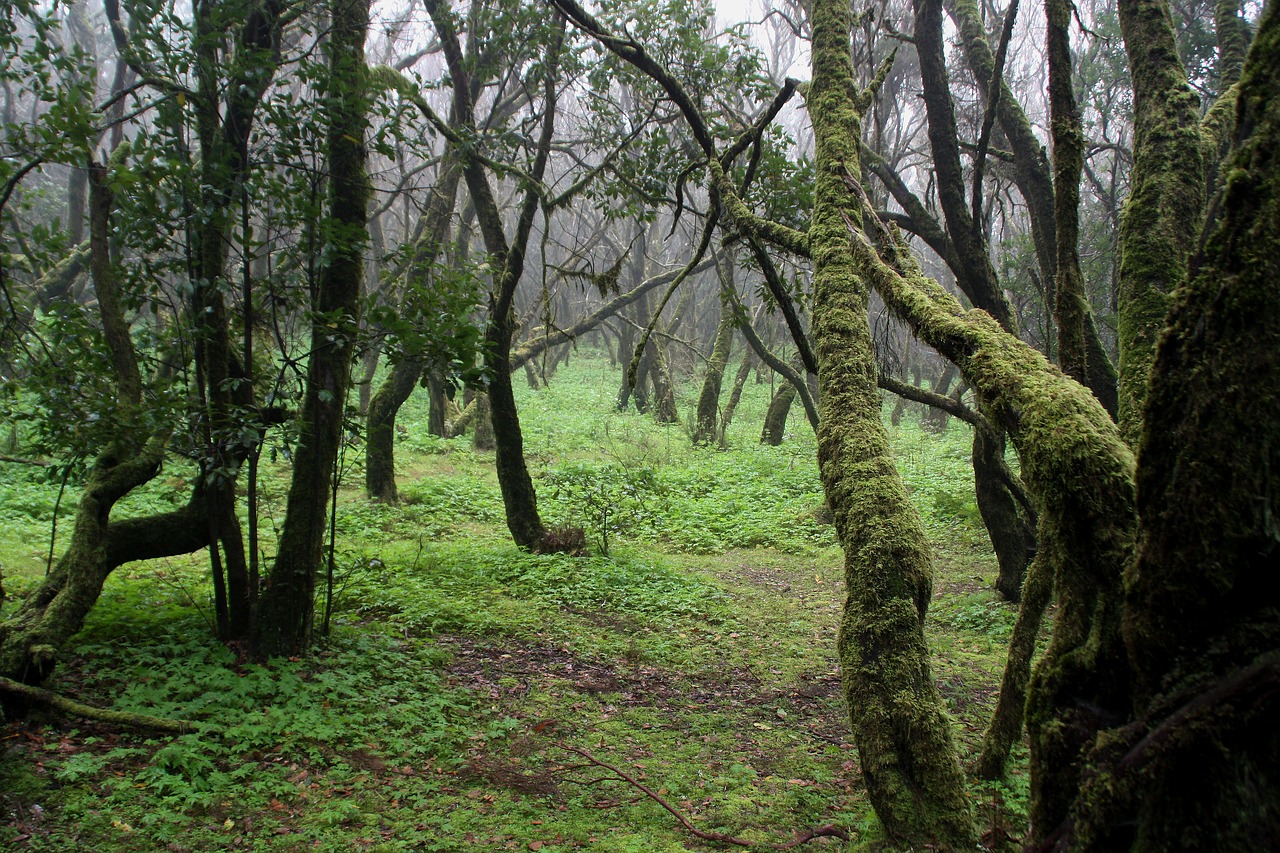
[(903, 736), (1081, 475), (735, 395), (380, 429), (30, 639), (775, 417), (1012, 536), (705, 431)]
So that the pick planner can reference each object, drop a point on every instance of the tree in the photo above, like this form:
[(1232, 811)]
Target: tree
[(285, 609), (1139, 679)]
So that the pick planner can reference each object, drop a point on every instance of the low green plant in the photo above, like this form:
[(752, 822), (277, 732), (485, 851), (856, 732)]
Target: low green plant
[(607, 500)]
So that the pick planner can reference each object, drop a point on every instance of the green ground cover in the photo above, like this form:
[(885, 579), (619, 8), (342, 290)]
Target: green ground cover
[(465, 688)]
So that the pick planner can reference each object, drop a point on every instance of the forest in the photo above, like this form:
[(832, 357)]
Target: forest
[(654, 425)]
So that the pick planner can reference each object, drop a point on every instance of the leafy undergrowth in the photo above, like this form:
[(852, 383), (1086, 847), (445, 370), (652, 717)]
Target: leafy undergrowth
[(471, 697)]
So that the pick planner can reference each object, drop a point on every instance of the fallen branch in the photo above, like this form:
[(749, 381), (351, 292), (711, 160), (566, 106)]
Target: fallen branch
[(828, 831), (653, 795), (79, 709)]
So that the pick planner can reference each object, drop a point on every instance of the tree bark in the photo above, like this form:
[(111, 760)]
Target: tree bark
[(507, 259), (775, 417), (286, 606), (903, 736), (708, 410), (1196, 767), (735, 395), (1012, 537), (1162, 218), (380, 431)]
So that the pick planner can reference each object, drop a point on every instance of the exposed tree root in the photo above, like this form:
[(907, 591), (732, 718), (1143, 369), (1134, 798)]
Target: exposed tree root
[(79, 709)]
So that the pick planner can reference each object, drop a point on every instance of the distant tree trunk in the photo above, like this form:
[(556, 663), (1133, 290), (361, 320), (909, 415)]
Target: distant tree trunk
[(285, 607), (775, 417), (739, 381), (482, 438), (438, 402), (380, 429), (664, 393), (935, 419), (402, 378), (1012, 535), (709, 400), (368, 367)]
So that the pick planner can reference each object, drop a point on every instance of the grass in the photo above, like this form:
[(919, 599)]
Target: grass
[(442, 711)]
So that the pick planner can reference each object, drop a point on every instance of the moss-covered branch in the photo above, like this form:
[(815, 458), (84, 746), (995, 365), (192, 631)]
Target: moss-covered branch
[(1081, 476), (129, 719)]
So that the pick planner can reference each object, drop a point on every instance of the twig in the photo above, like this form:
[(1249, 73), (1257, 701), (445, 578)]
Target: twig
[(653, 795), (17, 461)]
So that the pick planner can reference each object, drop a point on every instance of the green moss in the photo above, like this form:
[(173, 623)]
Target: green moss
[(903, 737), (1162, 218)]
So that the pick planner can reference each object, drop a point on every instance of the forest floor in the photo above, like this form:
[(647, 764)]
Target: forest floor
[(471, 697)]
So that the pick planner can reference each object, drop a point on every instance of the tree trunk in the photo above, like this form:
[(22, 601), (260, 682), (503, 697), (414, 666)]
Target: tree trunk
[(380, 430), (664, 393), (1162, 218), (935, 419), (775, 417), (709, 400), (30, 639), (438, 401), (1012, 535), (739, 381), (909, 759), (1196, 769), (285, 607), (482, 438)]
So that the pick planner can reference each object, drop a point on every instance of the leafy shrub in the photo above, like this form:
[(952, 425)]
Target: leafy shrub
[(607, 500)]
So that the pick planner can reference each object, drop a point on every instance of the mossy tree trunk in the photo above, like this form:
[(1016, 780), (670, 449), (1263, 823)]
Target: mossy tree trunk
[(285, 610), (1162, 218), (708, 410), (1196, 769), (1071, 306), (31, 638), (735, 395), (775, 417), (482, 438), (1080, 473), (909, 758), (380, 432), (384, 405)]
